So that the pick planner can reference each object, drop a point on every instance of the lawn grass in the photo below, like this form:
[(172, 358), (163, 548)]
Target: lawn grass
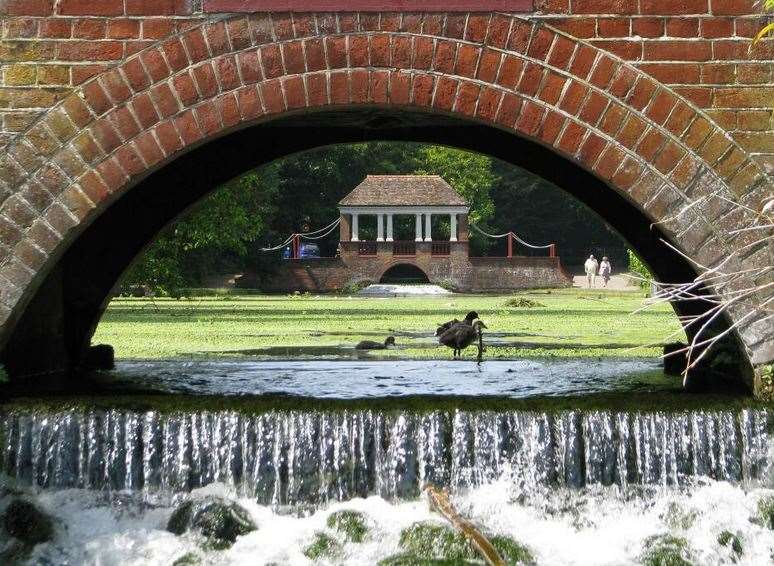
[(569, 322)]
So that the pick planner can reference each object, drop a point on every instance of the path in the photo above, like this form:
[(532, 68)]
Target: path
[(617, 283)]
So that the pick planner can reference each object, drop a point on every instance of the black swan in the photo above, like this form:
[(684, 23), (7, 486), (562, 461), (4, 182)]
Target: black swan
[(469, 318), (462, 335)]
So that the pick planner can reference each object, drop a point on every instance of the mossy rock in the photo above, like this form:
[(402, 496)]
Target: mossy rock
[(323, 546), (220, 521), (27, 523), (15, 553), (666, 550), (351, 524), (765, 515), (188, 559), (429, 540), (732, 541), (676, 517), (511, 551), (409, 559)]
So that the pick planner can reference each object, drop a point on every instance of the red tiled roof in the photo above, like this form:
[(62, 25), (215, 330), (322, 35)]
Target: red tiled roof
[(403, 190)]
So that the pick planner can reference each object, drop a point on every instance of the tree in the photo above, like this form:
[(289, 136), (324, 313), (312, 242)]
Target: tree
[(541, 213), (227, 230), (221, 227)]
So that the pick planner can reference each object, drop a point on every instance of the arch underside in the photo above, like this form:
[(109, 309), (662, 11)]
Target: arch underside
[(84, 279), (102, 173), (404, 272)]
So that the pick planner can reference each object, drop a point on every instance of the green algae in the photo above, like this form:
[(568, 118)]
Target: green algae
[(408, 559), (429, 544), (323, 546), (436, 541), (188, 559), (658, 402), (679, 518), (765, 512), (666, 550), (170, 329), (513, 552), (732, 541), (352, 525)]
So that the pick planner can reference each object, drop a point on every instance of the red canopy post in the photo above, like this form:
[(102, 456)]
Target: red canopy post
[(552, 250), (296, 249)]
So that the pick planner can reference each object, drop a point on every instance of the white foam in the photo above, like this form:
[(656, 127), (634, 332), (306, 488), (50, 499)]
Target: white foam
[(382, 290), (594, 527)]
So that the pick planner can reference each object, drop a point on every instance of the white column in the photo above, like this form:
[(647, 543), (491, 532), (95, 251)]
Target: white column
[(380, 227), (428, 227), (453, 228), (389, 227), (355, 228), (418, 225)]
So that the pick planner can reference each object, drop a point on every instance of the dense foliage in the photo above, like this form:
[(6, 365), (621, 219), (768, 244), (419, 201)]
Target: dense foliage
[(225, 232), (637, 267)]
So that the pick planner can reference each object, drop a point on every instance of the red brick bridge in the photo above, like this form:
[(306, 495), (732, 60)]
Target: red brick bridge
[(117, 115)]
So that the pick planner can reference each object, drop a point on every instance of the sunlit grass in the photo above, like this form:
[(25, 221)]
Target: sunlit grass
[(571, 322)]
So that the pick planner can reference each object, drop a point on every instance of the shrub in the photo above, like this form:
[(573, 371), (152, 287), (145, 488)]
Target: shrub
[(356, 286), (637, 267)]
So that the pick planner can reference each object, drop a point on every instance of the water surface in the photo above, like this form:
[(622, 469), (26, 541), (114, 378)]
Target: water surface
[(580, 460), (375, 379)]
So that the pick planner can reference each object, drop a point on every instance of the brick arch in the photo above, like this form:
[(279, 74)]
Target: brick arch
[(645, 142)]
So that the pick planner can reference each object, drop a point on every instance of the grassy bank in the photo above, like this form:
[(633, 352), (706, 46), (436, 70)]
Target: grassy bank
[(568, 322)]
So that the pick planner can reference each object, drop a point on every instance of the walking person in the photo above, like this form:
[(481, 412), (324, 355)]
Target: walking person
[(591, 267), (605, 269)]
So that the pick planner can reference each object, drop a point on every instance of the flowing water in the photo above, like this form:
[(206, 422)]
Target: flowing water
[(377, 379), (578, 480)]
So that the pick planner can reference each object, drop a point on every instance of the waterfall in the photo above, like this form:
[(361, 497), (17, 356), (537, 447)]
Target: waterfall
[(289, 457)]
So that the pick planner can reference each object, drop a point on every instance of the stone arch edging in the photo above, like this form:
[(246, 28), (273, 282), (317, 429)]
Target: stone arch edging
[(522, 76), (403, 262), (412, 262)]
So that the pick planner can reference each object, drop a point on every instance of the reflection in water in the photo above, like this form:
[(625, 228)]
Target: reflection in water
[(364, 379)]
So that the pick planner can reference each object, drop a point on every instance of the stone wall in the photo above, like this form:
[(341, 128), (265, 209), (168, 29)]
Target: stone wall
[(504, 274), (456, 270)]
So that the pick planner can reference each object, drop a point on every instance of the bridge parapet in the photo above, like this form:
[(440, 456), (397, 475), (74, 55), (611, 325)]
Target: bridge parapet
[(700, 49)]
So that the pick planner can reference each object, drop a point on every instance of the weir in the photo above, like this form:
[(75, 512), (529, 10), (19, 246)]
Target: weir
[(310, 457)]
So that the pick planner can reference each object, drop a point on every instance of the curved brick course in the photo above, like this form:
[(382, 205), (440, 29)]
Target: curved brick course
[(523, 76)]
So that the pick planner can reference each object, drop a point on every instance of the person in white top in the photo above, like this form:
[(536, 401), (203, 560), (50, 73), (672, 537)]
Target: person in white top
[(591, 266), (605, 269)]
